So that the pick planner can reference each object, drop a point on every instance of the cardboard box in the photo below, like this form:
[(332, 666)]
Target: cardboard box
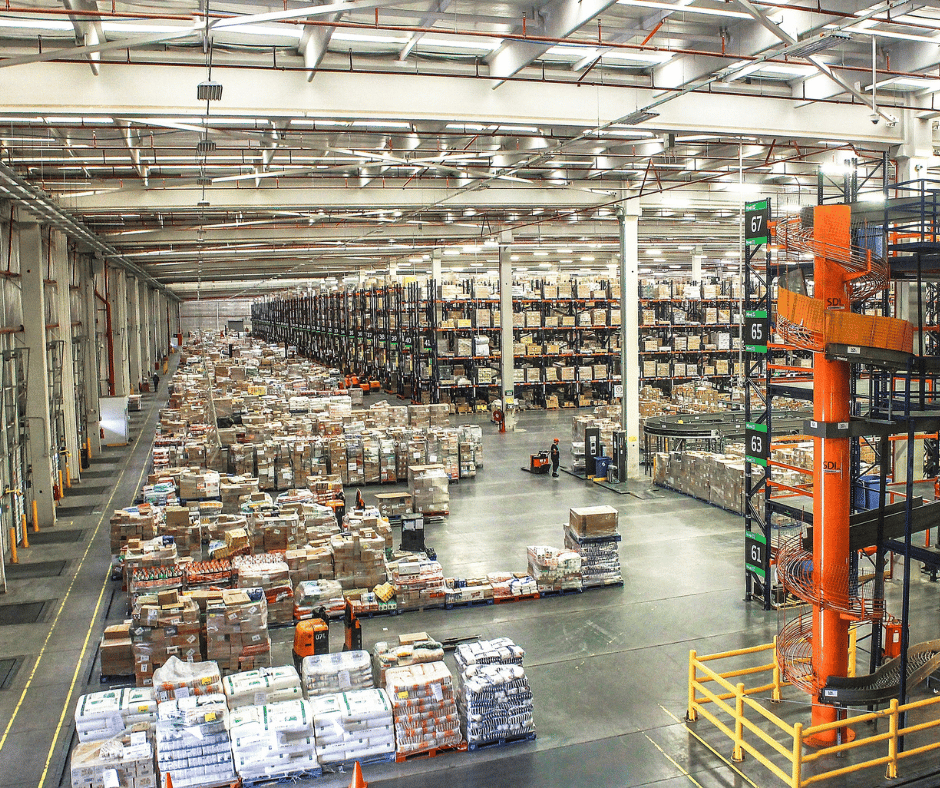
[(593, 520)]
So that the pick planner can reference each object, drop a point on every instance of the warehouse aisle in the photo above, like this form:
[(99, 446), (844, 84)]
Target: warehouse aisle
[(64, 586)]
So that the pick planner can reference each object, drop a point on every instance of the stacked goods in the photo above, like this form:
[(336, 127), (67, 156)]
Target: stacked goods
[(368, 520), (233, 489), (155, 580), (179, 525), (179, 680), (273, 741), (117, 651), (411, 649), (215, 573), (600, 557), (324, 674), (260, 687), (423, 707), (507, 586), (101, 715), (125, 760), (276, 532), (554, 569), (593, 520), (354, 725), (193, 744), (716, 478), (418, 581), (393, 505), (152, 554), (163, 631), (493, 696), (237, 630), (309, 563), (311, 595), (319, 522), (458, 590), (270, 573), (428, 487), (196, 485), (160, 494), (136, 523), (359, 559)]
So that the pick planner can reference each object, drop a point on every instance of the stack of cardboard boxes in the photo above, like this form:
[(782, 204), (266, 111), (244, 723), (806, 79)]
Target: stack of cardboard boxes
[(236, 630), (164, 626)]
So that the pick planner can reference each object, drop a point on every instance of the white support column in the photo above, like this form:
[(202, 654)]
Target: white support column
[(92, 334), (37, 375), (698, 257), (628, 216), (133, 333), (63, 316), (436, 256), (146, 330), (506, 357), (117, 296)]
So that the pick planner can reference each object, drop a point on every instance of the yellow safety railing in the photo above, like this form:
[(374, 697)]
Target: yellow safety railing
[(729, 708)]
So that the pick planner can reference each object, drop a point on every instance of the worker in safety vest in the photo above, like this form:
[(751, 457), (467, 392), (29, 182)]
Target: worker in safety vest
[(555, 456)]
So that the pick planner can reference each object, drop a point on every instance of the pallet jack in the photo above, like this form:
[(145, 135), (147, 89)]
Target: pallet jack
[(353, 628), (539, 463), (311, 637)]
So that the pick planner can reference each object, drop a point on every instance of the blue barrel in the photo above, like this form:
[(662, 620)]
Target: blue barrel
[(601, 464)]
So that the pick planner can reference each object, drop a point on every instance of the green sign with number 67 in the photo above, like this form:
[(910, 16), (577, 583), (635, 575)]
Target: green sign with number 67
[(756, 222)]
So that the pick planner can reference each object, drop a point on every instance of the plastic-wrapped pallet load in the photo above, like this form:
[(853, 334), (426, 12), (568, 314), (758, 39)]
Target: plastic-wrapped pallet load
[(352, 726), (423, 707), (193, 744), (273, 741), (269, 572), (311, 595), (237, 630), (160, 632), (428, 487), (178, 679), (554, 569), (418, 581), (124, 759), (324, 674), (600, 558), (494, 697), (411, 649), (263, 686), (101, 715)]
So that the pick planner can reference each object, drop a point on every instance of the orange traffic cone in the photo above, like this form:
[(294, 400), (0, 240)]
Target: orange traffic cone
[(357, 781), (169, 781)]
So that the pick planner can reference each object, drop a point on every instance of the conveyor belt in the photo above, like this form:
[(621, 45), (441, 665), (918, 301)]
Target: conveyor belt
[(882, 685), (728, 425)]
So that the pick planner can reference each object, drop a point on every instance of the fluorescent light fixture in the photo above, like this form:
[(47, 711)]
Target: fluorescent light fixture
[(513, 257), (566, 261), (685, 8), (545, 265), (587, 258), (414, 259), (812, 46), (356, 37), (836, 169), (640, 116), (471, 248), (540, 253), (88, 120), (382, 124), (458, 44), (451, 252)]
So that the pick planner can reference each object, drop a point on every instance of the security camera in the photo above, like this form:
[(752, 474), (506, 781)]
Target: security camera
[(874, 118)]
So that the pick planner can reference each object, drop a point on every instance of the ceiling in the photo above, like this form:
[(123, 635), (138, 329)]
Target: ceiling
[(366, 136)]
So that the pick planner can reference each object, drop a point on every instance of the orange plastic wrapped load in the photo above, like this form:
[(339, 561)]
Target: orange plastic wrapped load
[(424, 707)]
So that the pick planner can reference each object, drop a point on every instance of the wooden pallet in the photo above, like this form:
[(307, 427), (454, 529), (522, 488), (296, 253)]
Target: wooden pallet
[(432, 753)]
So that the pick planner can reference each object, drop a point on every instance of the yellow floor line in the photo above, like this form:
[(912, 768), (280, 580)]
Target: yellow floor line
[(726, 761), (104, 585), (673, 762), (65, 599)]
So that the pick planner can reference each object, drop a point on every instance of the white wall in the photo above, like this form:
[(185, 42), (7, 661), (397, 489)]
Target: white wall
[(213, 315)]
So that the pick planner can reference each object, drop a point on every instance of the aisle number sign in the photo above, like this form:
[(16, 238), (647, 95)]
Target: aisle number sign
[(756, 222), (755, 548), (756, 445), (756, 330)]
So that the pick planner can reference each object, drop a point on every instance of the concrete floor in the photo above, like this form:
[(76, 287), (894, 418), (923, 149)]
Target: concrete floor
[(607, 667)]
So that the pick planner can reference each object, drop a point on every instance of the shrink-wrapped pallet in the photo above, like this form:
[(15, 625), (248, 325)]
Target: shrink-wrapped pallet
[(273, 741), (311, 595), (424, 707), (124, 759), (101, 715), (355, 725), (262, 686), (324, 674)]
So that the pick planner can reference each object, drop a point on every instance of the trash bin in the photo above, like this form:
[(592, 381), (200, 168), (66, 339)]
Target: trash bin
[(867, 492), (601, 464)]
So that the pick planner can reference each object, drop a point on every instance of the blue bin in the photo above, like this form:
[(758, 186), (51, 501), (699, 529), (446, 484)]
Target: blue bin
[(868, 491), (601, 464)]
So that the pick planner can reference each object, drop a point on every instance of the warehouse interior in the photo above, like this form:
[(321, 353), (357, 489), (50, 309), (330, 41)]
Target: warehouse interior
[(258, 256)]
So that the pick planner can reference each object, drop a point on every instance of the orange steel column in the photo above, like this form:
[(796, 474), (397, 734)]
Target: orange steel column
[(831, 469)]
